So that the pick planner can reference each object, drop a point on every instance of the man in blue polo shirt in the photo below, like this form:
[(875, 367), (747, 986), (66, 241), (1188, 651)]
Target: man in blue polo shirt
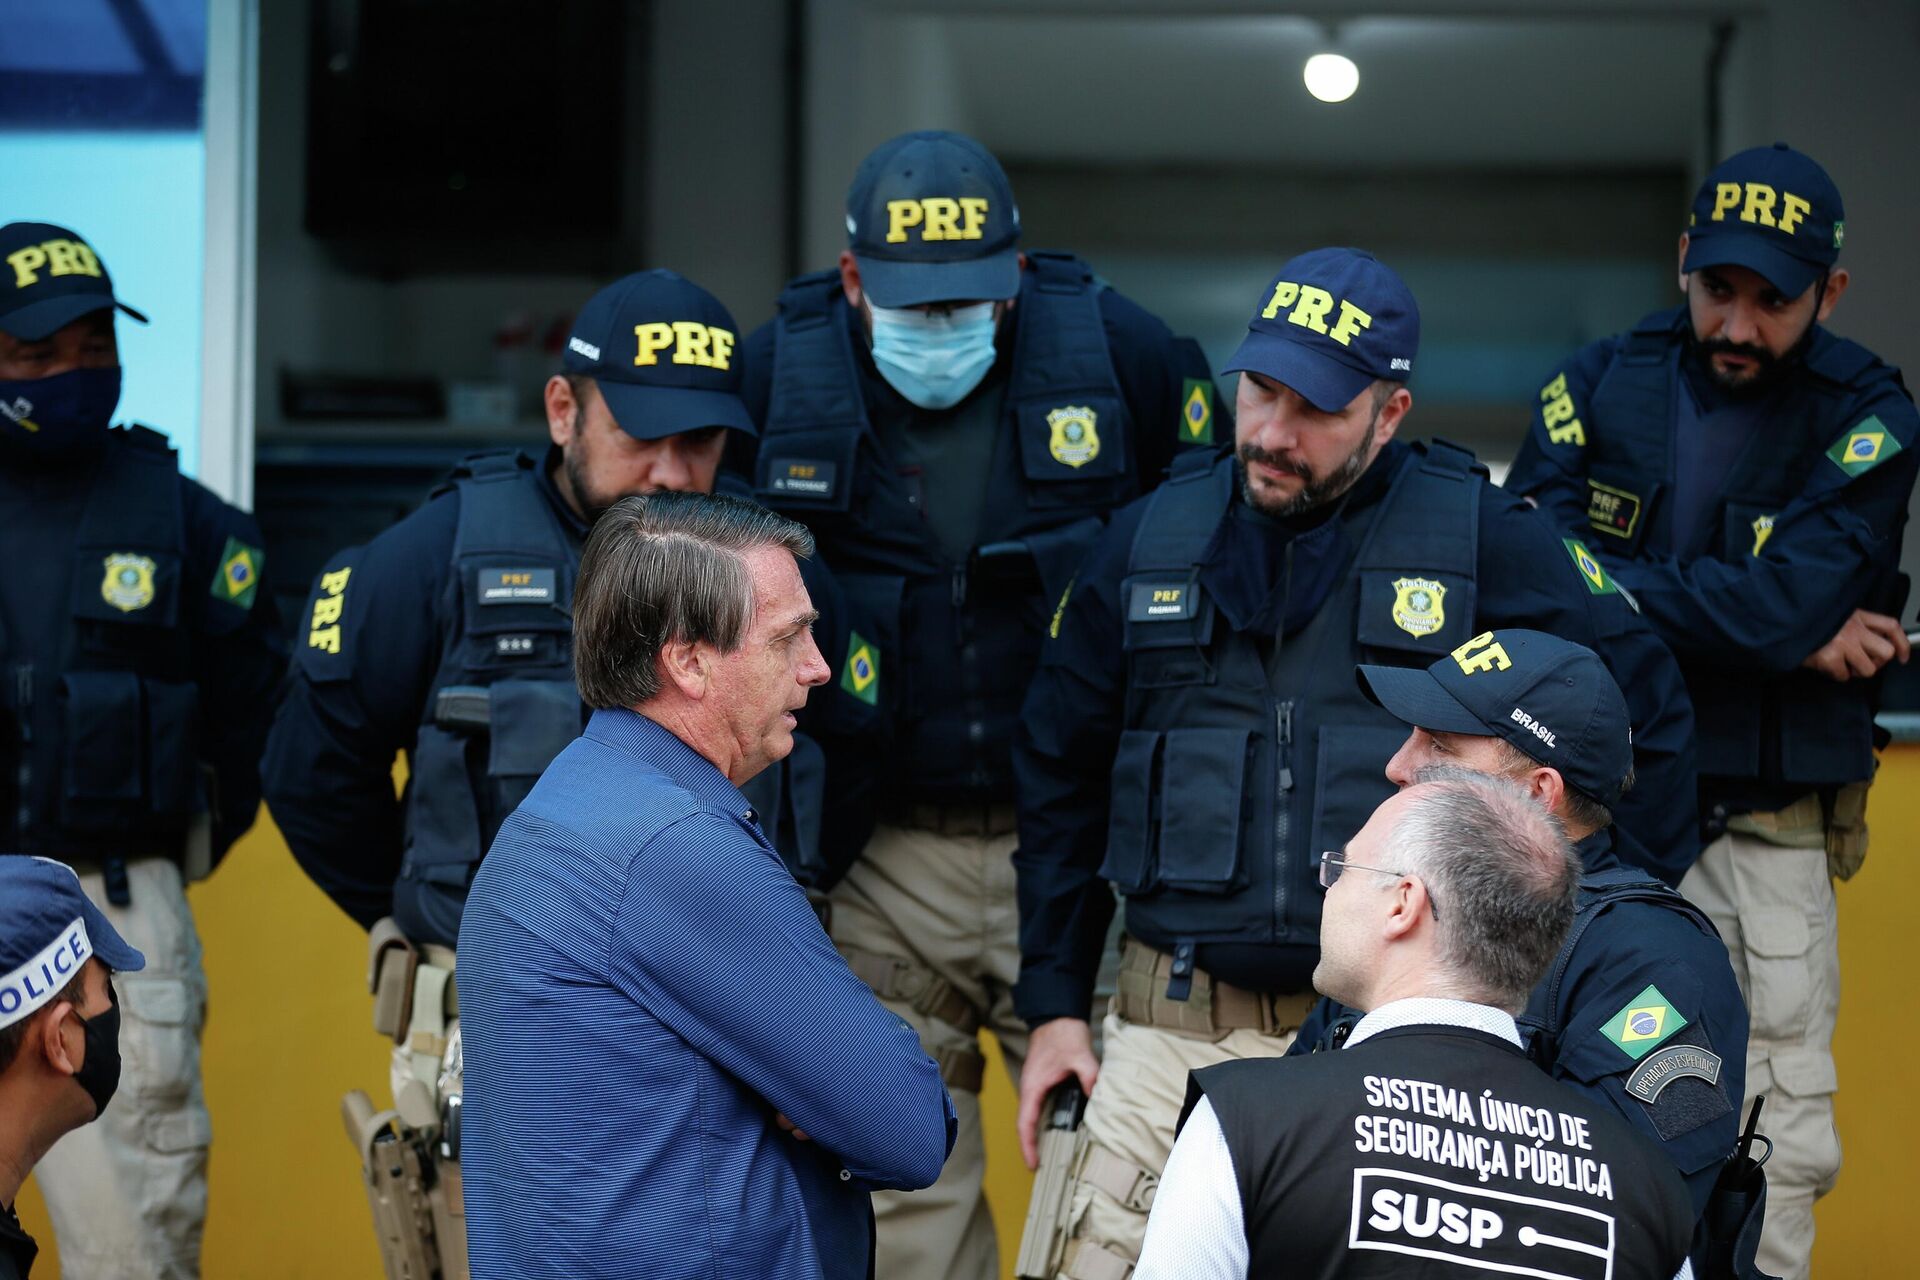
[(669, 1070)]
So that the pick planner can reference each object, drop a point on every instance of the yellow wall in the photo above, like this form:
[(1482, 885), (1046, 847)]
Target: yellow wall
[(288, 1033)]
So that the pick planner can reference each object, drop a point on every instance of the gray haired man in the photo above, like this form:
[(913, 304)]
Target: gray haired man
[(1429, 1143)]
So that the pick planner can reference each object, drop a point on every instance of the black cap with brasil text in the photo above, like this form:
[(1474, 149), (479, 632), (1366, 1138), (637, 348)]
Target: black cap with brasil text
[(931, 218), (664, 354), (1553, 699), (50, 277), (1772, 210)]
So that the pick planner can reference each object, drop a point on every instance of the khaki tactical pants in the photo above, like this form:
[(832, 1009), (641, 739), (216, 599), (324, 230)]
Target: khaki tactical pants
[(927, 918), (128, 1193), (1151, 1044), (1765, 884)]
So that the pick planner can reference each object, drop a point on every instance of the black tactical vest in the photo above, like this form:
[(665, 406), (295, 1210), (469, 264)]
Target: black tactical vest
[(1440, 1151), (962, 640), (1803, 727), (1243, 759), (503, 702), (108, 732)]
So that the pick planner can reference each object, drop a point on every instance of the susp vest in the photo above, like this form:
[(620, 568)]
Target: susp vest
[(1243, 758), (1802, 726), (508, 612), (110, 731), (962, 640)]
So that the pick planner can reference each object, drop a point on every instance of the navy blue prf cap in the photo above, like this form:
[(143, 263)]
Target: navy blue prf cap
[(1553, 699), (49, 928), (1329, 324), (931, 218), (1772, 210), (50, 277), (664, 353)]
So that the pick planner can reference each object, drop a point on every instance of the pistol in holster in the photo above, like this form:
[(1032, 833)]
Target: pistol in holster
[(1043, 1242), (396, 1166)]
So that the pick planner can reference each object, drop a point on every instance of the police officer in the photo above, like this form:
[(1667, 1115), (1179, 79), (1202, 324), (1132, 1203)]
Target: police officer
[(1428, 1146), (1194, 735), (954, 420), (141, 649), (1745, 474), (449, 637), (1546, 715)]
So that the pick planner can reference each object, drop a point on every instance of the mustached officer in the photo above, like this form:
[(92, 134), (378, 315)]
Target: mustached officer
[(954, 419), (449, 638), (1640, 1007), (140, 653), (1745, 474), (1194, 736)]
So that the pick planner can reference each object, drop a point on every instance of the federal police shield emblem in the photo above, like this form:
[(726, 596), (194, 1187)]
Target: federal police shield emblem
[(1417, 606), (129, 582), (1075, 440)]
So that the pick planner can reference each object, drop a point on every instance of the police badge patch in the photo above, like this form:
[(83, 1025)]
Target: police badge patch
[(1417, 606), (129, 582), (1075, 441)]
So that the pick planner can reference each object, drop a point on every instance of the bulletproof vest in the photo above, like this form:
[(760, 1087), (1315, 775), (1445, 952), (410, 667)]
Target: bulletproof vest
[(1439, 1151), (1799, 726), (108, 732), (1244, 756), (960, 640), (503, 702)]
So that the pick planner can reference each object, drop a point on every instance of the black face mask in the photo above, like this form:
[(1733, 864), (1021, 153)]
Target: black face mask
[(99, 1075), (60, 420)]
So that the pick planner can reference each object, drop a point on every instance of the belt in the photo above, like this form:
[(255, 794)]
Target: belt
[(1212, 1009), (988, 818)]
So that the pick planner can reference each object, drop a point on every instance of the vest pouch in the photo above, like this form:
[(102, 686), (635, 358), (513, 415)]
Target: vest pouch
[(1202, 789), (173, 715), (1429, 614), (104, 764), (1167, 624), (1350, 783), (1074, 453), (531, 722), (1134, 812), (808, 470), (443, 820), (1620, 504), (517, 616)]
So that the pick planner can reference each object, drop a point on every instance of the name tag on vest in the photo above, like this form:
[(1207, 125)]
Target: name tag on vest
[(516, 586), (1160, 602), (807, 477)]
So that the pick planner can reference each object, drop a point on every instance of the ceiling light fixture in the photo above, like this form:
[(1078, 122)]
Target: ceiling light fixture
[(1331, 77)]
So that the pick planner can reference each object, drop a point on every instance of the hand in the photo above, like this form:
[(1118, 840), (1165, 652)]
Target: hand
[(1060, 1048), (788, 1125), (1865, 643)]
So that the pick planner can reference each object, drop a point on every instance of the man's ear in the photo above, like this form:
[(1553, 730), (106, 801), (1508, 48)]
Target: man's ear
[(1407, 908), (850, 278), (1837, 281), (687, 664), (1679, 262), (52, 1040), (1547, 786), (561, 407)]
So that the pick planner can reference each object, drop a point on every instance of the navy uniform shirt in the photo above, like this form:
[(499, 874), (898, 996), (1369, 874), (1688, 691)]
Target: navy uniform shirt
[(1637, 955), (329, 764), (238, 651), (1072, 721)]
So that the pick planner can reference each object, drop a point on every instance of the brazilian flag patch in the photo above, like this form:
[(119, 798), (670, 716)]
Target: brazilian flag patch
[(1589, 566), (861, 676), (1864, 447), (1644, 1023), (1196, 411), (238, 576)]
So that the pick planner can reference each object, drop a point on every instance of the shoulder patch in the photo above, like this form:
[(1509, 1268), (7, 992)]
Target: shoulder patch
[(237, 580), (1863, 446), (1557, 413), (861, 674), (329, 606), (1643, 1023), (1196, 411), (1589, 568)]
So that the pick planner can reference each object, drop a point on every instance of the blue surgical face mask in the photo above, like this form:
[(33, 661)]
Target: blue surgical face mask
[(59, 419), (934, 359)]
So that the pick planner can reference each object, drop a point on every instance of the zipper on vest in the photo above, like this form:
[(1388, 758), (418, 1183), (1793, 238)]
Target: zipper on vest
[(1282, 806), (23, 776)]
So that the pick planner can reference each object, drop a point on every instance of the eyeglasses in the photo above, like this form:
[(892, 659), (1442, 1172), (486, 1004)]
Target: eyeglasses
[(1332, 864)]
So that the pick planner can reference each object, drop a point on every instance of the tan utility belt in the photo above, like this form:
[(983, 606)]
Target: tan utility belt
[(1212, 1009)]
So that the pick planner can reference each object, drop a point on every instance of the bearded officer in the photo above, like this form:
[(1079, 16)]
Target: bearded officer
[(449, 637), (141, 650), (1194, 735), (954, 420), (1745, 474)]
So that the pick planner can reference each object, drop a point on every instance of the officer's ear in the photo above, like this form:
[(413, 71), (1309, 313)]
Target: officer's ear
[(1680, 262), (60, 1038), (1837, 280), (1545, 785), (562, 408), (850, 279), (1387, 421)]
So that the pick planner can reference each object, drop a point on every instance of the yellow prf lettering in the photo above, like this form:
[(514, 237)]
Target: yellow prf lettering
[(1312, 309), (325, 631), (1284, 294), (70, 258), (1725, 196), (722, 348), (1793, 209), (1352, 321), (1760, 198), (1571, 433), (336, 582), (942, 218), (654, 338), (327, 638), (1555, 389), (1556, 410), (327, 609), (26, 264), (1166, 595), (975, 210), (690, 343), (1491, 657), (902, 214)]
